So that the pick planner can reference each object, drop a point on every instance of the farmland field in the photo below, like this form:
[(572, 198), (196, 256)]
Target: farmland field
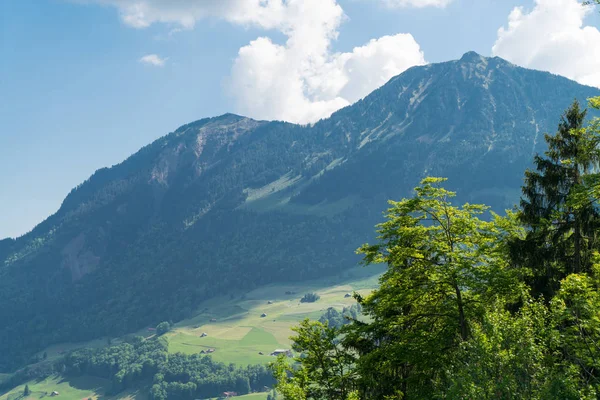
[(236, 330), (72, 389), (234, 327)]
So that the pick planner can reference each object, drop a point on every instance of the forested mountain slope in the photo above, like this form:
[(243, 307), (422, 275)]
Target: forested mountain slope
[(230, 202)]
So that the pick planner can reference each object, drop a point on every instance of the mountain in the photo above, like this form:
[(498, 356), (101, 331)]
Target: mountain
[(229, 202)]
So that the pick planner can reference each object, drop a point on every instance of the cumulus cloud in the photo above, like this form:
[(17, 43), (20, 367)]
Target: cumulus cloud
[(278, 82), (301, 80), (417, 3), (551, 37), (153, 59)]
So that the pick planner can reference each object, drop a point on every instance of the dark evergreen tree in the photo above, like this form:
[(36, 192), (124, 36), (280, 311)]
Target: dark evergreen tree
[(561, 231), (310, 298), (26, 391)]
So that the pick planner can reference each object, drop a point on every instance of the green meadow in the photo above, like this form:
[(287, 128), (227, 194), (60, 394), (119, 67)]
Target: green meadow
[(235, 330), (238, 332), (80, 388)]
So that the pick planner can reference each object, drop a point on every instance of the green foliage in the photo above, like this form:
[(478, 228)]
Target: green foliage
[(562, 223), (444, 265), (310, 298), (175, 376), (325, 369), (336, 319), (460, 313), (26, 391), (163, 328)]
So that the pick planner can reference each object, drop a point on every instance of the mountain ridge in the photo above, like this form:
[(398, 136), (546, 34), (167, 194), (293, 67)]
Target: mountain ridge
[(228, 202)]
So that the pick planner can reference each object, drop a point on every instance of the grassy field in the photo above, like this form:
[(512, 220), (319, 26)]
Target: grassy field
[(234, 328), (238, 333), (80, 388), (254, 396)]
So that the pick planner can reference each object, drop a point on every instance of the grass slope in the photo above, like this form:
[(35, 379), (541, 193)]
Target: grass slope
[(238, 333), (234, 327), (73, 389)]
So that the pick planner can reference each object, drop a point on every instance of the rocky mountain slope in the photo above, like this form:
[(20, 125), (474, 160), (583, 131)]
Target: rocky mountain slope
[(230, 202)]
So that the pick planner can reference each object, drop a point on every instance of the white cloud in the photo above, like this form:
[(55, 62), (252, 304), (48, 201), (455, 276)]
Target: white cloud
[(265, 13), (153, 59), (301, 80), (278, 82), (417, 3), (143, 13), (552, 37)]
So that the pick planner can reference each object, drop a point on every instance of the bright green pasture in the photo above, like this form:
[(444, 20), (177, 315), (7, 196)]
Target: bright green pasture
[(238, 332)]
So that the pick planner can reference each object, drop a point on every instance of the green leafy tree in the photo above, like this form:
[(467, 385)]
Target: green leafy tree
[(163, 328), (562, 229), (325, 368), (26, 391), (576, 313), (291, 383), (444, 265), (505, 357)]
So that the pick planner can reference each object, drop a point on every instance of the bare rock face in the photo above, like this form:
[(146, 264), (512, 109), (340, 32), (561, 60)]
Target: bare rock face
[(79, 259)]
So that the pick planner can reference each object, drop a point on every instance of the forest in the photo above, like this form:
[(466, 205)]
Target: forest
[(473, 304), (146, 362)]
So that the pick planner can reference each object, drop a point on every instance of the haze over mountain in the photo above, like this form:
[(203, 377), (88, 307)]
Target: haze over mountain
[(229, 202)]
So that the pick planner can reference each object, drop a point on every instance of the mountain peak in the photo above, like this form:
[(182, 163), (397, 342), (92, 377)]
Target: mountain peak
[(471, 56)]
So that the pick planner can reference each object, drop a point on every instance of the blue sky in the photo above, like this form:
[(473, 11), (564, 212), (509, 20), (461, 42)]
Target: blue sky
[(76, 95)]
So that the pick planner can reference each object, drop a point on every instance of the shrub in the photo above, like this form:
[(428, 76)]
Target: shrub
[(310, 298)]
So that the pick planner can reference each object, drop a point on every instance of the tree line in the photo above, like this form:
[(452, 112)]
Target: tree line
[(171, 376), (474, 305)]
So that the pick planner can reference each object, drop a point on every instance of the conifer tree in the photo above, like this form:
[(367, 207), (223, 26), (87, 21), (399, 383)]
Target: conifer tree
[(561, 231)]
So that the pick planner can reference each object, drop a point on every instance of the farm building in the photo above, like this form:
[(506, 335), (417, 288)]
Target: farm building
[(277, 352), (204, 334), (348, 295), (263, 315)]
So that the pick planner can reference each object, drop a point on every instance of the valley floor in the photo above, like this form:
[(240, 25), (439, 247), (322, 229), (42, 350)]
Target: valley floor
[(234, 328)]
